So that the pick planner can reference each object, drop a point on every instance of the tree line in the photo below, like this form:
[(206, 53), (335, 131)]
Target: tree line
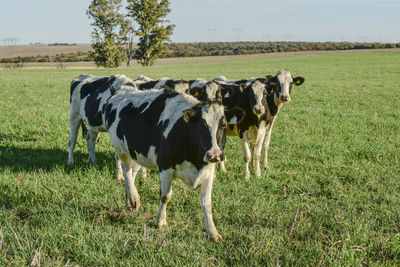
[(213, 49)]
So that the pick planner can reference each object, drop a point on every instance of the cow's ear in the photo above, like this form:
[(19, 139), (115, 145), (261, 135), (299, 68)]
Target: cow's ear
[(235, 115), (190, 115), (268, 77), (298, 80), (196, 91)]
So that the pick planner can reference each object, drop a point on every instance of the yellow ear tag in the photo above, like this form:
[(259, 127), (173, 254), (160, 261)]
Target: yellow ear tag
[(272, 91), (298, 81), (196, 94)]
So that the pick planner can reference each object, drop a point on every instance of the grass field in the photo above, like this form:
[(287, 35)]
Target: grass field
[(330, 197)]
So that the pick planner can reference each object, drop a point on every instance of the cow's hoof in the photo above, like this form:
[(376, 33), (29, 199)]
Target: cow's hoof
[(257, 173), (120, 178), (133, 205), (247, 176), (161, 224), (216, 237), (144, 172)]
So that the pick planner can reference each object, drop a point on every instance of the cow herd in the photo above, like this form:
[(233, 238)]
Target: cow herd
[(177, 127)]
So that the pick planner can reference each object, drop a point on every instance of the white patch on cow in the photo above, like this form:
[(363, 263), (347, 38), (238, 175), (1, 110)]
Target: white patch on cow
[(233, 120), (192, 177), (258, 90), (150, 160), (181, 88), (211, 90), (137, 98), (226, 95), (161, 82), (143, 78), (188, 172), (220, 79), (199, 82), (285, 79), (212, 116), (174, 108)]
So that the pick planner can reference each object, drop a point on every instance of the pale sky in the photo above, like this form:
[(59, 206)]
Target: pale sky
[(65, 21)]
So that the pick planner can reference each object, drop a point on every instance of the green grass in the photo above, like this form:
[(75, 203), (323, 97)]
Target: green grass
[(330, 197)]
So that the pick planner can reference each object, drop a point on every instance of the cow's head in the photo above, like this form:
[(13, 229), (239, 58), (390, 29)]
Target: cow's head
[(209, 125), (210, 92), (180, 86), (282, 84), (256, 93)]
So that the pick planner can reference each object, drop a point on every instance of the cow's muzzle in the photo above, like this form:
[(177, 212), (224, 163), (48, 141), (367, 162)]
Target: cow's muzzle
[(284, 98), (213, 156), (259, 110)]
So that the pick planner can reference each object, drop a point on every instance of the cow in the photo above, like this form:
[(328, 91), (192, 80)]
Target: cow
[(249, 95), (281, 86), (145, 83), (173, 133), (88, 97)]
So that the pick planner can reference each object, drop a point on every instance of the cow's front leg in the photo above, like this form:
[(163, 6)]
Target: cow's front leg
[(165, 195), (222, 166), (143, 172), (130, 169), (246, 155), (205, 200), (91, 143)]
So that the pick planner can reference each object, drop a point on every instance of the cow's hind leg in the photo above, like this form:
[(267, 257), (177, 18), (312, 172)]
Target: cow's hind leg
[(165, 195), (130, 169), (74, 122), (206, 204), (257, 149), (91, 143), (266, 144)]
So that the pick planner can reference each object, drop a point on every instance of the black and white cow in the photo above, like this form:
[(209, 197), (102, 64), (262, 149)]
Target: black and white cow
[(89, 95), (173, 133), (249, 95), (281, 86), (145, 83)]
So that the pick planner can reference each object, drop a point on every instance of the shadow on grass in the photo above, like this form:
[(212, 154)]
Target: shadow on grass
[(30, 159)]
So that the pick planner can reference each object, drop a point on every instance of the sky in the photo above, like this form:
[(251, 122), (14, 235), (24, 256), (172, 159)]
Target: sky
[(65, 21)]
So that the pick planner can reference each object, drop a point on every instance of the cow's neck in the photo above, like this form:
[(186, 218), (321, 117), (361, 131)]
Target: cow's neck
[(274, 104)]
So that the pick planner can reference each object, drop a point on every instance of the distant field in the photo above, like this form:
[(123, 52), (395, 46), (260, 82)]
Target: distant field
[(41, 50), (331, 196)]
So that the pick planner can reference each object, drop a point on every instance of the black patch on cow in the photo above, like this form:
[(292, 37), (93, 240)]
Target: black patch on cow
[(273, 109), (110, 114), (74, 84), (187, 142), (147, 85), (92, 91), (135, 126), (245, 100), (98, 86)]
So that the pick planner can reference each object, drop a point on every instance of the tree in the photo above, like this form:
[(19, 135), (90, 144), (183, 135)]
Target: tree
[(152, 31), (110, 31)]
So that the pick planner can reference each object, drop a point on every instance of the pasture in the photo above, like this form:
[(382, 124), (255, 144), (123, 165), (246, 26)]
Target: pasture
[(330, 197)]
